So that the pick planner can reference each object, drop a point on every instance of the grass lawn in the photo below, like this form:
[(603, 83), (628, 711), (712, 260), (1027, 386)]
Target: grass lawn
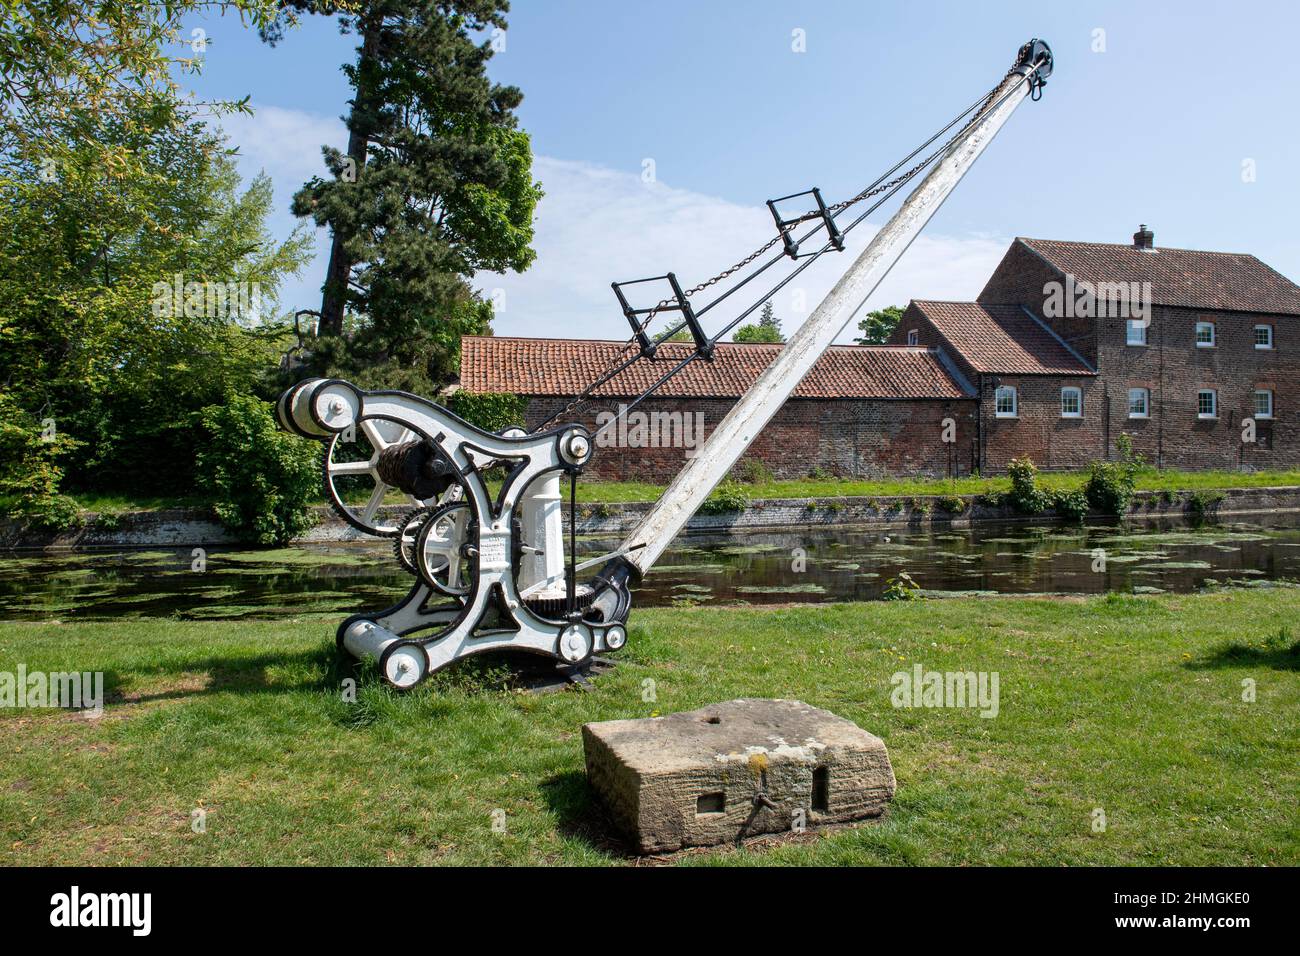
[(612, 492), (1130, 705), (1147, 480)]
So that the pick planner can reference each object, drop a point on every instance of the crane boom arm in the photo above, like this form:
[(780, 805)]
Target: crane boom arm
[(760, 403)]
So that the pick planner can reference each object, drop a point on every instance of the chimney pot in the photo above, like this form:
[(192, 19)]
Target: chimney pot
[(1144, 238)]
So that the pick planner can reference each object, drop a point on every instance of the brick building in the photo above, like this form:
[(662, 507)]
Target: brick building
[(1194, 355), (862, 410)]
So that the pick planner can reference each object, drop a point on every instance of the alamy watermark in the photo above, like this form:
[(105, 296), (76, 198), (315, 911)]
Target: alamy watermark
[(72, 691), (921, 688), (130, 910), (650, 430), (234, 301), (1077, 298)]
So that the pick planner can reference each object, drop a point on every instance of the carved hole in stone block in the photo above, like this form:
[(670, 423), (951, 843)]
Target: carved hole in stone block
[(710, 803), (821, 789)]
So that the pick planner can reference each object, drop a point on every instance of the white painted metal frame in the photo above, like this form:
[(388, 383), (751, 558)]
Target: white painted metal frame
[(324, 408)]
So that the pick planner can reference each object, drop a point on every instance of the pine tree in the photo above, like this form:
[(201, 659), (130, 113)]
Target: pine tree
[(436, 185)]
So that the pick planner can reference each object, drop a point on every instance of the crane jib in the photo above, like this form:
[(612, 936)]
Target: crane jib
[(764, 398)]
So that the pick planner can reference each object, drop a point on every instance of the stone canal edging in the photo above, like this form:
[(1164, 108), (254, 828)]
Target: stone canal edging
[(194, 527)]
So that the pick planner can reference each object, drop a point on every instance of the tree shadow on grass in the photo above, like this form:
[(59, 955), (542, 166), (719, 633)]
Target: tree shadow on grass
[(582, 817), (1278, 652), (314, 669)]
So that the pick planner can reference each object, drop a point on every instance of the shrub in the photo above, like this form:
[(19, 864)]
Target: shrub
[(29, 473), (261, 480), (1201, 503), (1025, 495), (901, 588), (108, 520), (952, 504), (490, 411), (752, 471), (1124, 445), (727, 497), (1110, 484), (1070, 504), (818, 473)]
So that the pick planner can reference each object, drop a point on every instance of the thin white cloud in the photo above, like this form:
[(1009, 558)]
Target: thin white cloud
[(596, 225)]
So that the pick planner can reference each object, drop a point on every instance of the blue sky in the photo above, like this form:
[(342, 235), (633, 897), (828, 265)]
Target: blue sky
[(1153, 129)]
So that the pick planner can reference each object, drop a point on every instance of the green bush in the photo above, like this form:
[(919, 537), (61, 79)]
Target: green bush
[(727, 497), (29, 472), (1025, 494), (901, 588), (752, 471), (1110, 484), (952, 504), (1070, 504), (490, 411), (261, 481), (1201, 503)]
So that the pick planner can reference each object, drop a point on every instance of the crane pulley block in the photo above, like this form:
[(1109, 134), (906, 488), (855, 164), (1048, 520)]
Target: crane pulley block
[(786, 226), (677, 303)]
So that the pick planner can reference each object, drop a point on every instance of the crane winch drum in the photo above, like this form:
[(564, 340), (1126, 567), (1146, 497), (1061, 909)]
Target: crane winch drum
[(497, 571)]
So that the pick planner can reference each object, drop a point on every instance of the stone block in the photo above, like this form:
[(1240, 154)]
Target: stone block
[(734, 770)]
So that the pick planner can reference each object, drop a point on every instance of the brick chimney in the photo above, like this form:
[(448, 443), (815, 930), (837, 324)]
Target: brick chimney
[(1144, 238)]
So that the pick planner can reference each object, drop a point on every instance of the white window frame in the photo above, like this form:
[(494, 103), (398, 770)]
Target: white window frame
[(1214, 335), (997, 402), (1146, 402), (913, 337), (1267, 328), (1214, 402), (1264, 391), (1135, 325), (1078, 396)]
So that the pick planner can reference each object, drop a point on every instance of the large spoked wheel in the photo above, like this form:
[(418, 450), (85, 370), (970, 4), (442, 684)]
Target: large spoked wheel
[(351, 472), (439, 555)]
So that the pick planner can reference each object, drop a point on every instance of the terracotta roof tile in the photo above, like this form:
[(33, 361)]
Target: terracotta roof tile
[(1179, 277), (564, 367), (1002, 339)]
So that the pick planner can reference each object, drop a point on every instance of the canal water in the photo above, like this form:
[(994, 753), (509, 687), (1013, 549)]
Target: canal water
[(816, 565)]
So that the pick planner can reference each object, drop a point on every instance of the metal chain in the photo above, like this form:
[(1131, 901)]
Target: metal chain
[(833, 210)]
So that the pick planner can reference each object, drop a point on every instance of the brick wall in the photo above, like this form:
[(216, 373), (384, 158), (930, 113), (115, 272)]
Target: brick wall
[(1172, 367), (1039, 430), (848, 437)]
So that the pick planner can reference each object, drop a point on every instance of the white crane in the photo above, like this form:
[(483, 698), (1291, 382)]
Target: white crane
[(491, 570)]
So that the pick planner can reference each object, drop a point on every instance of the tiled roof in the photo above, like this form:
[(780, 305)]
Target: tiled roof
[(1002, 339), (565, 366), (1178, 277)]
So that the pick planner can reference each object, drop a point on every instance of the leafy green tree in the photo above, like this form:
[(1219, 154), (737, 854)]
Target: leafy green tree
[(766, 329), (262, 480), (93, 336), (436, 185), (876, 327), (88, 70)]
